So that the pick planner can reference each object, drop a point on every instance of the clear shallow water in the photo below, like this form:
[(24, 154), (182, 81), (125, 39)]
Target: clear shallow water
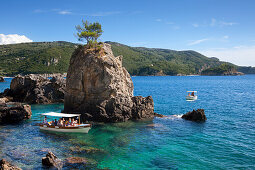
[(225, 141)]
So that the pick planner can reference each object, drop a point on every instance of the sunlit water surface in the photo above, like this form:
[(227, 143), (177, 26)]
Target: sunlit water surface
[(225, 141)]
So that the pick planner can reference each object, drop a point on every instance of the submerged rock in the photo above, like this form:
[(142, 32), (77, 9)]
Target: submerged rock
[(77, 149), (51, 160), (75, 162), (14, 114), (5, 165), (2, 79), (101, 89), (34, 89), (196, 115)]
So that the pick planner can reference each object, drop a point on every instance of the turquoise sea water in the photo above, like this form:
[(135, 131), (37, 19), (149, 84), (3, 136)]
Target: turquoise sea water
[(225, 141)]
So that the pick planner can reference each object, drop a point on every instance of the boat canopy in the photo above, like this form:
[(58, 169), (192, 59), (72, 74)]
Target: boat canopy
[(60, 114), (192, 91)]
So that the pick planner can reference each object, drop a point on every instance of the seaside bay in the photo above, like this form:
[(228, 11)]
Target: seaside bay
[(224, 141)]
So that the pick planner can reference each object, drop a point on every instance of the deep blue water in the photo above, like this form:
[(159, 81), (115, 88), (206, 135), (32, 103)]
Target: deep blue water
[(225, 141)]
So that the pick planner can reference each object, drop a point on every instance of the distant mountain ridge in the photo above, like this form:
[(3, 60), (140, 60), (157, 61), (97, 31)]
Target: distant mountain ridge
[(54, 57)]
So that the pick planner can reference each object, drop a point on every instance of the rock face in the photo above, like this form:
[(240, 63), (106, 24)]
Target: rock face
[(100, 88), (2, 79), (51, 160), (34, 89), (14, 114), (4, 165), (196, 115)]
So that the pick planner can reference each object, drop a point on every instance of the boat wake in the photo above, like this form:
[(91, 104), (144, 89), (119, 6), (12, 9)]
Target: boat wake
[(178, 116)]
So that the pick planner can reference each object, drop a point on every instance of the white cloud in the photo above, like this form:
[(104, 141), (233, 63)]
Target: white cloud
[(195, 25), (64, 12), (240, 55), (176, 27), (213, 22), (38, 11), (225, 37), (169, 23), (227, 23), (198, 41), (13, 39), (102, 14), (158, 20)]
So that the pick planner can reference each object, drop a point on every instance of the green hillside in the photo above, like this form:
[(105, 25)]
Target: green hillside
[(53, 57), (149, 61), (41, 57)]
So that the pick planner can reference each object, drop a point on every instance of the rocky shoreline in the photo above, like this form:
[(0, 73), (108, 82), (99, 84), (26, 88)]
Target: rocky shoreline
[(35, 89)]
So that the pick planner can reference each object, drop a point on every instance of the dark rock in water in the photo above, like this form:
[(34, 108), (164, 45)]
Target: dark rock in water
[(2, 79), (34, 89), (5, 165), (14, 114), (51, 160), (196, 115), (159, 115), (101, 89)]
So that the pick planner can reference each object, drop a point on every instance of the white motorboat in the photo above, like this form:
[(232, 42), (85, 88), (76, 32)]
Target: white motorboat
[(76, 128), (192, 95)]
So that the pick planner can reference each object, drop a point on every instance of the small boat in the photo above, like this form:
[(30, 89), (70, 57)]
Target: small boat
[(77, 128), (192, 95)]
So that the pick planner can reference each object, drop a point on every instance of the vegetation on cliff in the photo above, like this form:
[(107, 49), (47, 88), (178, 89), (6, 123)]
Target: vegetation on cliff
[(36, 57), (54, 57), (223, 69)]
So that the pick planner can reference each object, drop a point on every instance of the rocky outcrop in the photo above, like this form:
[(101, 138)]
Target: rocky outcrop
[(51, 160), (2, 79), (34, 89), (14, 114), (100, 88), (5, 165), (196, 115)]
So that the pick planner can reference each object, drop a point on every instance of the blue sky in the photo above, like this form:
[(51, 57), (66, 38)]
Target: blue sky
[(216, 28)]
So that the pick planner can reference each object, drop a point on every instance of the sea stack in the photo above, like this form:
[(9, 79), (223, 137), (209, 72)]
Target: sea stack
[(101, 89)]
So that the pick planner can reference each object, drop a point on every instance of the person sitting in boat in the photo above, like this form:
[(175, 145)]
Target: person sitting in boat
[(192, 94), (60, 122), (69, 122), (74, 122), (63, 121), (55, 122), (45, 122)]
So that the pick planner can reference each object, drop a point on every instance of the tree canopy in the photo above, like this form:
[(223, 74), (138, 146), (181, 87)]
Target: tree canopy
[(89, 32)]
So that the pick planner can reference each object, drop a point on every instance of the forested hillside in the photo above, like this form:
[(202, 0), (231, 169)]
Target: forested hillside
[(53, 57)]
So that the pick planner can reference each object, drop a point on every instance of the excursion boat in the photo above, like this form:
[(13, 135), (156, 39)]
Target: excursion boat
[(77, 128), (192, 95)]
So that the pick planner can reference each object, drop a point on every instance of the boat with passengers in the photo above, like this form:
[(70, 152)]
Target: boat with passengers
[(192, 95), (69, 123)]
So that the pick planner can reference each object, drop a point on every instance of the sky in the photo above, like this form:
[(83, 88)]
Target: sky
[(216, 28)]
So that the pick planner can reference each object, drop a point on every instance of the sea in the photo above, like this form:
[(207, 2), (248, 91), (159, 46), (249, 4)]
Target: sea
[(225, 141)]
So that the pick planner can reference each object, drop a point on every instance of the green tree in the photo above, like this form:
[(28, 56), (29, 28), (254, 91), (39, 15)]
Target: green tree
[(89, 32)]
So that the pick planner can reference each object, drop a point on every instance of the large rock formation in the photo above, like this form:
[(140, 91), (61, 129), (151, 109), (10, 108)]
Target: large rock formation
[(196, 115), (52, 160), (100, 88), (36, 89), (2, 79), (5, 165), (14, 114)]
